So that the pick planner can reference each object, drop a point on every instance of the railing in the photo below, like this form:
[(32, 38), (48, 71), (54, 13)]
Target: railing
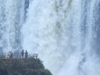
[(35, 56)]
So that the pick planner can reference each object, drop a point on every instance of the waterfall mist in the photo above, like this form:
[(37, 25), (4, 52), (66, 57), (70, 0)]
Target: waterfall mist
[(64, 33), (11, 20)]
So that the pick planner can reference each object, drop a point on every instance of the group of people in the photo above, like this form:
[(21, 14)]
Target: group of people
[(23, 54), (10, 54)]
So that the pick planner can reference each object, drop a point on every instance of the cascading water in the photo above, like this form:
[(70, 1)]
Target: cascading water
[(11, 20), (65, 33)]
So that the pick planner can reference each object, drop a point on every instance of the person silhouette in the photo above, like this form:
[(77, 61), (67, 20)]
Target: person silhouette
[(22, 53), (26, 54)]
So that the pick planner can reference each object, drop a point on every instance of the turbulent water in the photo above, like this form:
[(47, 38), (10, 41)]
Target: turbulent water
[(11, 20), (65, 33)]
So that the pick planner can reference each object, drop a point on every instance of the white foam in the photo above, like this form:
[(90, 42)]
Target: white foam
[(61, 32)]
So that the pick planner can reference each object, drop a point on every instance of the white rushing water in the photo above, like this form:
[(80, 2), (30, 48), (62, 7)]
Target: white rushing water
[(65, 33), (11, 20)]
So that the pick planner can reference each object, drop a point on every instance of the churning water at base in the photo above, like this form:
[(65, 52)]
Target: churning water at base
[(65, 33)]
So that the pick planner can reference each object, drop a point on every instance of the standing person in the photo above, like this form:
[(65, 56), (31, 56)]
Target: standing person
[(22, 53), (26, 54), (11, 55)]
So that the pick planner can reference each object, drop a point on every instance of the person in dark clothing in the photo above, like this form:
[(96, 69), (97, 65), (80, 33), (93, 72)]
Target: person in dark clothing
[(22, 53), (26, 54)]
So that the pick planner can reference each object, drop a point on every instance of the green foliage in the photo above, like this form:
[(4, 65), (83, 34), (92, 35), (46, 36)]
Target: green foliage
[(29, 66)]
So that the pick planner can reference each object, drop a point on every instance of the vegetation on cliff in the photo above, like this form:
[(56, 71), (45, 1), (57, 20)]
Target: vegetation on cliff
[(29, 66)]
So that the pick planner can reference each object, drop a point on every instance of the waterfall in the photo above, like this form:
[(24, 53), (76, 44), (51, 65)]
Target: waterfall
[(64, 33), (11, 20)]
